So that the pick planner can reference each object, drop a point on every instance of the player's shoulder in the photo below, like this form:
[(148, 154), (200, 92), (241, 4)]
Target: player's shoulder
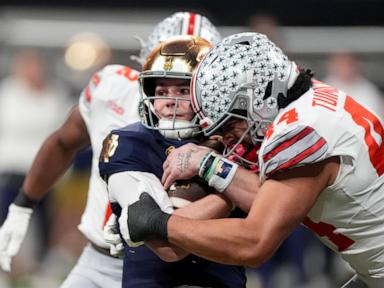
[(300, 134), (321, 108), (115, 75), (126, 149), (134, 134), (117, 70), (136, 128)]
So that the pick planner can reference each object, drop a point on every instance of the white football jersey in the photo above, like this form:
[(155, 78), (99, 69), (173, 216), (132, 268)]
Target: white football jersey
[(349, 215), (109, 101)]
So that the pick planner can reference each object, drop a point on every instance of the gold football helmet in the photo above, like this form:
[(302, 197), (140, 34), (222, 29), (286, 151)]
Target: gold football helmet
[(175, 58)]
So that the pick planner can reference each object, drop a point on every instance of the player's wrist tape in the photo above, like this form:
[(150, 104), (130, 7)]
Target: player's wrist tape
[(217, 171), (206, 163), (24, 201)]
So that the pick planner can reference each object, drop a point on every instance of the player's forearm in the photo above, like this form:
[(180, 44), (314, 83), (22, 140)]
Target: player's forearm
[(166, 251), (225, 241), (210, 207), (243, 188), (55, 155), (51, 162)]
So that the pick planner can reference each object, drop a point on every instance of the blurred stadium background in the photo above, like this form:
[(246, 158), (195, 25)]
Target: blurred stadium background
[(78, 37)]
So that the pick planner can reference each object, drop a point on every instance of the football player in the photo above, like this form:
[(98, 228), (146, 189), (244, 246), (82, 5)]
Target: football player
[(321, 163), (109, 101), (131, 162)]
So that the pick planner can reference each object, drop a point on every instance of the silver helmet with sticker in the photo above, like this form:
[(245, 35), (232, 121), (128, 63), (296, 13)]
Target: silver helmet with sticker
[(179, 23), (245, 76)]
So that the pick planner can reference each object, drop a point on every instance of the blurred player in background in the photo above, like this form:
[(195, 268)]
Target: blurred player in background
[(109, 101), (131, 162), (32, 105), (320, 156), (345, 72)]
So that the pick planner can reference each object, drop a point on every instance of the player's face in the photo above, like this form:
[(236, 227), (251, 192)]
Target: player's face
[(167, 106), (232, 132)]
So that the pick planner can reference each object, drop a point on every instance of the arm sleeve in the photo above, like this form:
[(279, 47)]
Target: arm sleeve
[(302, 145), (126, 187)]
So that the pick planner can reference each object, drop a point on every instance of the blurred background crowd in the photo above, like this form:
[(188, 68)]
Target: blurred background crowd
[(49, 51)]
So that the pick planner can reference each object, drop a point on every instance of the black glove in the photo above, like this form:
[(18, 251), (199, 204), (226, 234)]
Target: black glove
[(146, 221)]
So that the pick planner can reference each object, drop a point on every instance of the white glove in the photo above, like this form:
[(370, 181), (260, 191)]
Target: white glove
[(12, 233), (112, 237)]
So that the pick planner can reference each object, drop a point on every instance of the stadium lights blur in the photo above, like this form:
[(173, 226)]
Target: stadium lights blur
[(86, 51)]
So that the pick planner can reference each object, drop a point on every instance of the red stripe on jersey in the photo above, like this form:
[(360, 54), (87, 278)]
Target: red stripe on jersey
[(287, 143), (364, 118), (191, 24), (128, 73), (299, 157), (87, 94), (324, 229), (96, 79), (108, 213)]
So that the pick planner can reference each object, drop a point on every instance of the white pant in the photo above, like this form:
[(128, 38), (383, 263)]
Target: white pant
[(95, 270)]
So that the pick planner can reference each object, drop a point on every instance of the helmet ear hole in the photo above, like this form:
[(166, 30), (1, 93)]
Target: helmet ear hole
[(244, 43), (268, 90), (282, 101)]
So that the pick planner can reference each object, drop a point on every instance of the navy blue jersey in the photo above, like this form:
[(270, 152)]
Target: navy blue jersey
[(136, 148)]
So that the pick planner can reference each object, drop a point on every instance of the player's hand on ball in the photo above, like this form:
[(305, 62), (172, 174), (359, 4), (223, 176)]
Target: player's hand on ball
[(145, 220), (183, 163), (183, 192)]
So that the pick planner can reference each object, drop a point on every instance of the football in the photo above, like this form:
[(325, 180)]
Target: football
[(183, 192)]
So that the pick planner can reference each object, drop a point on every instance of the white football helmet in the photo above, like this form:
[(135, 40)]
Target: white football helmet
[(175, 58), (180, 23), (245, 76)]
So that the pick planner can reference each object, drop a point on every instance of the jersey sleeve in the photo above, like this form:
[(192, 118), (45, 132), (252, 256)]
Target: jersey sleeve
[(126, 187), (124, 152), (85, 98), (104, 84), (292, 148)]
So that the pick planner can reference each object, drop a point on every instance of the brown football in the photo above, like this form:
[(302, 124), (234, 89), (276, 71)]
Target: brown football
[(183, 192)]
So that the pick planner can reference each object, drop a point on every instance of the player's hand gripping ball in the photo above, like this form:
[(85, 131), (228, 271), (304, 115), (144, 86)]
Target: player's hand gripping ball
[(184, 192)]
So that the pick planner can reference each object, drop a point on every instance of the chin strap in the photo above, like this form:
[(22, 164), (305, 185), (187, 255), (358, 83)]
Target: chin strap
[(177, 129)]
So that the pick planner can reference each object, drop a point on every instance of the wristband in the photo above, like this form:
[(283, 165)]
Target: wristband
[(222, 174), (206, 163), (24, 201)]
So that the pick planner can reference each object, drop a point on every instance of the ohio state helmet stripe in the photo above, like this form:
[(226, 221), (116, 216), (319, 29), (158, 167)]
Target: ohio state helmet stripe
[(191, 24)]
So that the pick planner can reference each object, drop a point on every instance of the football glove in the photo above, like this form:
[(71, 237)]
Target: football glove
[(145, 220), (12, 233), (112, 237)]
